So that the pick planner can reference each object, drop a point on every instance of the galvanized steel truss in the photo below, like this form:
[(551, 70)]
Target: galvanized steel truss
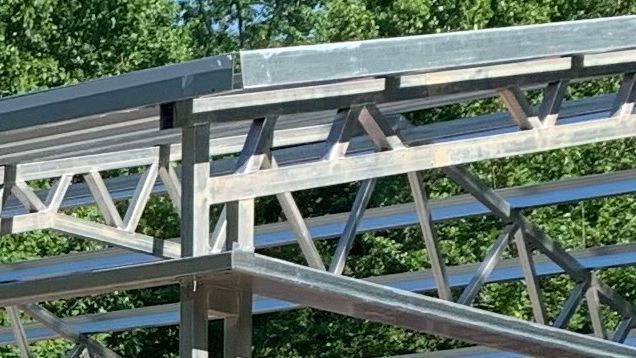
[(353, 132)]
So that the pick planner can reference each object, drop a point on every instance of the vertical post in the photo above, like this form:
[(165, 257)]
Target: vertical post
[(166, 173), (237, 329), (193, 329), (195, 217)]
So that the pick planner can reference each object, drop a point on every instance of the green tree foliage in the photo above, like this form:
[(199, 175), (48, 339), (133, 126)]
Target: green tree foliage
[(46, 43)]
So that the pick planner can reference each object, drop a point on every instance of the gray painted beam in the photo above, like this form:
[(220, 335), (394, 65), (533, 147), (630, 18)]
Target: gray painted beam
[(135, 89)]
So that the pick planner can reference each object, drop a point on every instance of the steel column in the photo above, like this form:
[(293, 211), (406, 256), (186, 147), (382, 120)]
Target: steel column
[(195, 218), (237, 328)]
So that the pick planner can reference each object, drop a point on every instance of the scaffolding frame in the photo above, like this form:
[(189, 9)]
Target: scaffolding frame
[(307, 127)]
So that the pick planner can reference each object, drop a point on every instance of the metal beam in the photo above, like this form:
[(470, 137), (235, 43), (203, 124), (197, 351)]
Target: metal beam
[(356, 298), (110, 134), (103, 200), (360, 167), (195, 222), (134, 89), (383, 218), (299, 129), (237, 326), (345, 243), (299, 226), (66, 331), (526, 259), (309, 98), (550, 106), (431, 242), (487, 265), (135, 128), (625, 97), (485, 352), (302, 170), (115, 237), (138, 202), (131, 139), (519, 108), (301, 64), (418, 281), (18, 332), (120, 278), (586, 282)]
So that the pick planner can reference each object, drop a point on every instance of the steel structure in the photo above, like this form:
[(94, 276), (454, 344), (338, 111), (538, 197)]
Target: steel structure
[(309, 117)]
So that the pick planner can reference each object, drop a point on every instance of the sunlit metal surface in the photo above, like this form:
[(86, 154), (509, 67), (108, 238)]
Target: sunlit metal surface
[(331, 127)]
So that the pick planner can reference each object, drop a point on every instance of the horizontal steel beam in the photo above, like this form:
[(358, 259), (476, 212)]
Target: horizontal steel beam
[(360, 167), (356, 298), (312, 63), (124, 277), (135, 89), (487, 72), (484, 352), (60, 136), (276, 278), (226, 138), (303, 129), (59, 142), (317, 131), (115, 236), (308, 98), (137, 128), (384, 218), (417, 281)]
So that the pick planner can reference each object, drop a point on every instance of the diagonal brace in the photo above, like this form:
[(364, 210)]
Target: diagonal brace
[(539, 239), (487, 265), (67, 331), (18, 332)]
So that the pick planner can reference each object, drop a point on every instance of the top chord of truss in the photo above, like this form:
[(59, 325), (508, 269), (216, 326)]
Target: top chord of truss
[(342, 62), (136, 89), (346, 60)]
